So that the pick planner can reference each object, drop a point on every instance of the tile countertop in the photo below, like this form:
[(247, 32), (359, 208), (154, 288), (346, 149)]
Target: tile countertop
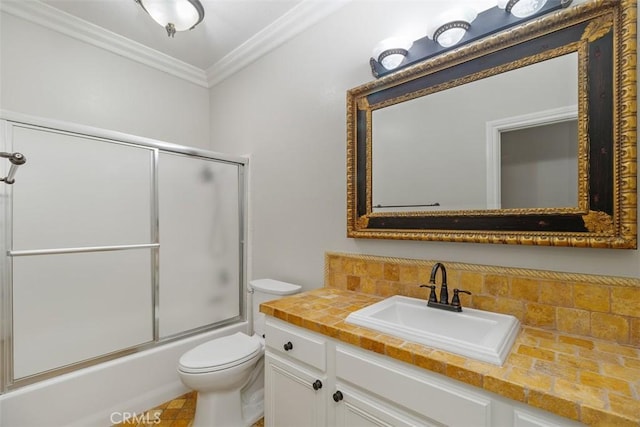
[(592, 381)]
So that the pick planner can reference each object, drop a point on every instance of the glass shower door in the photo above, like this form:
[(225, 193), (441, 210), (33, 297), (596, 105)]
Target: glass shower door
[(111, 247), (200, 259), (81, 249)]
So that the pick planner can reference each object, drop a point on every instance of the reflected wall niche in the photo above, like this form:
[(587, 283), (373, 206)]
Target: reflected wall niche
[(424, 144)]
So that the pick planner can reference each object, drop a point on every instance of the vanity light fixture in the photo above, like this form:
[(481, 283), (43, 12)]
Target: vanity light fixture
[(391, 52), (457, 27), (174, 15), (521, 8), (450, 27)]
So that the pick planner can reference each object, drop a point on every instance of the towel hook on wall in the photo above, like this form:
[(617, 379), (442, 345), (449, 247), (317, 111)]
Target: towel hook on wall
[(16, 160)]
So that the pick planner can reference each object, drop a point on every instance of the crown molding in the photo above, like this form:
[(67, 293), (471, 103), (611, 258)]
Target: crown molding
[(296, 20), (62, 22), (299, 18)]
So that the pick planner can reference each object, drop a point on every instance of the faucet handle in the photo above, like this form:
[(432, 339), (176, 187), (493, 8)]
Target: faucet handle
[(455, 301), (432, 294)]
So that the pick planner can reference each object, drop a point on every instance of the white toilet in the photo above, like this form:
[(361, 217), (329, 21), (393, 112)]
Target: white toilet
[(228, 372)]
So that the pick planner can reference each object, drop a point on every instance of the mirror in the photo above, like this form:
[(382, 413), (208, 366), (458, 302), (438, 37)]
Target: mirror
[(412, 150), (524, 137)]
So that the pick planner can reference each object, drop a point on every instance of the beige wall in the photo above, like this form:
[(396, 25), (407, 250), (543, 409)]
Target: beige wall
[(288, 111)]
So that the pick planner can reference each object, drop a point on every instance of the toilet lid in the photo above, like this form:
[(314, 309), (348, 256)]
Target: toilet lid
[(274, 287), (220, 353)]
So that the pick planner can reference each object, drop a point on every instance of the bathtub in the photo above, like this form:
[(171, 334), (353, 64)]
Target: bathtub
[(99, 395)]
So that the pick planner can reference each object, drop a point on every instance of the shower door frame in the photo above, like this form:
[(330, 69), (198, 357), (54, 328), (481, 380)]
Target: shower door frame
[(9, 119)]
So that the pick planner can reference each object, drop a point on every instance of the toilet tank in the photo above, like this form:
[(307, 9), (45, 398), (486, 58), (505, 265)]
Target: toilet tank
[(267, 290)]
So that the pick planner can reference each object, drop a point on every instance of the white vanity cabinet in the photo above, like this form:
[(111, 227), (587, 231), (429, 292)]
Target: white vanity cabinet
[(361, 388), (295, 377)]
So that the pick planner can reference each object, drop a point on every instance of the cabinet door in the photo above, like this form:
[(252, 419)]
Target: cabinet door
[(355, 409), (291, 399), (432, 397), (529, 418)]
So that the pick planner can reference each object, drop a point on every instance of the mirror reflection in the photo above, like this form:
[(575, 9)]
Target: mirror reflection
[(502, 152), (538, 167)]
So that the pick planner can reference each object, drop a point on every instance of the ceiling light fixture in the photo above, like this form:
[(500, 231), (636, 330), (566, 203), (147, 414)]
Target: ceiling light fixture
[(174, 15), (450, 27), (521, 8)]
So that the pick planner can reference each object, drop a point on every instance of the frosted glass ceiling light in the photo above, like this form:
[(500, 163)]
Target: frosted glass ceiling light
[(450, 27), (391, 52), (521, 8), (174, 15)]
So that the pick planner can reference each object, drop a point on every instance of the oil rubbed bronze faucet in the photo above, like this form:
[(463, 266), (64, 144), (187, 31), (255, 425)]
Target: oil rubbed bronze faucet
[(443, 304)]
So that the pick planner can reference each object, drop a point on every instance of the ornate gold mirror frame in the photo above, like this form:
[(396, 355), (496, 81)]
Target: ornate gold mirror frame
[(603, 33)]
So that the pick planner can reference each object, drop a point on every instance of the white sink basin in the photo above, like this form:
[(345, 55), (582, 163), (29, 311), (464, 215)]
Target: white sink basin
[(477, 334)]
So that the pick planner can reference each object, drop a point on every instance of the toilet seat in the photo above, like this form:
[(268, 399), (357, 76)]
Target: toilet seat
[(220, 353)]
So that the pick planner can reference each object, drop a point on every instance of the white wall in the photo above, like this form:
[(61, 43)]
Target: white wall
[(288, 110), (47, 74)]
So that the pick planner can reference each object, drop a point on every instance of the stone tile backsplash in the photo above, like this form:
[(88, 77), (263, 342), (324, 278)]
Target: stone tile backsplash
[(604, 307)]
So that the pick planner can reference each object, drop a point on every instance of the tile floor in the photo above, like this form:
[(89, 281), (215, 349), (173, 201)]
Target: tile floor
[(178, 412)]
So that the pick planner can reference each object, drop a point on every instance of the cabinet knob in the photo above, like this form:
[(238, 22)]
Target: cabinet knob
[(317, 385), (288, 346), (337, 396)]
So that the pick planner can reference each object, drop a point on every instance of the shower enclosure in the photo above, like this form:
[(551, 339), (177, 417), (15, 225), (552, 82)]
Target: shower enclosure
[(112, 244)]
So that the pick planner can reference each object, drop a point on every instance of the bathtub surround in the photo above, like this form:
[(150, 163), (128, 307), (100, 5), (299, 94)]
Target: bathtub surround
[(602, 307)]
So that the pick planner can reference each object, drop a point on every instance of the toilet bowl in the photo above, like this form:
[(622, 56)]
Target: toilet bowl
[(228, 372)]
